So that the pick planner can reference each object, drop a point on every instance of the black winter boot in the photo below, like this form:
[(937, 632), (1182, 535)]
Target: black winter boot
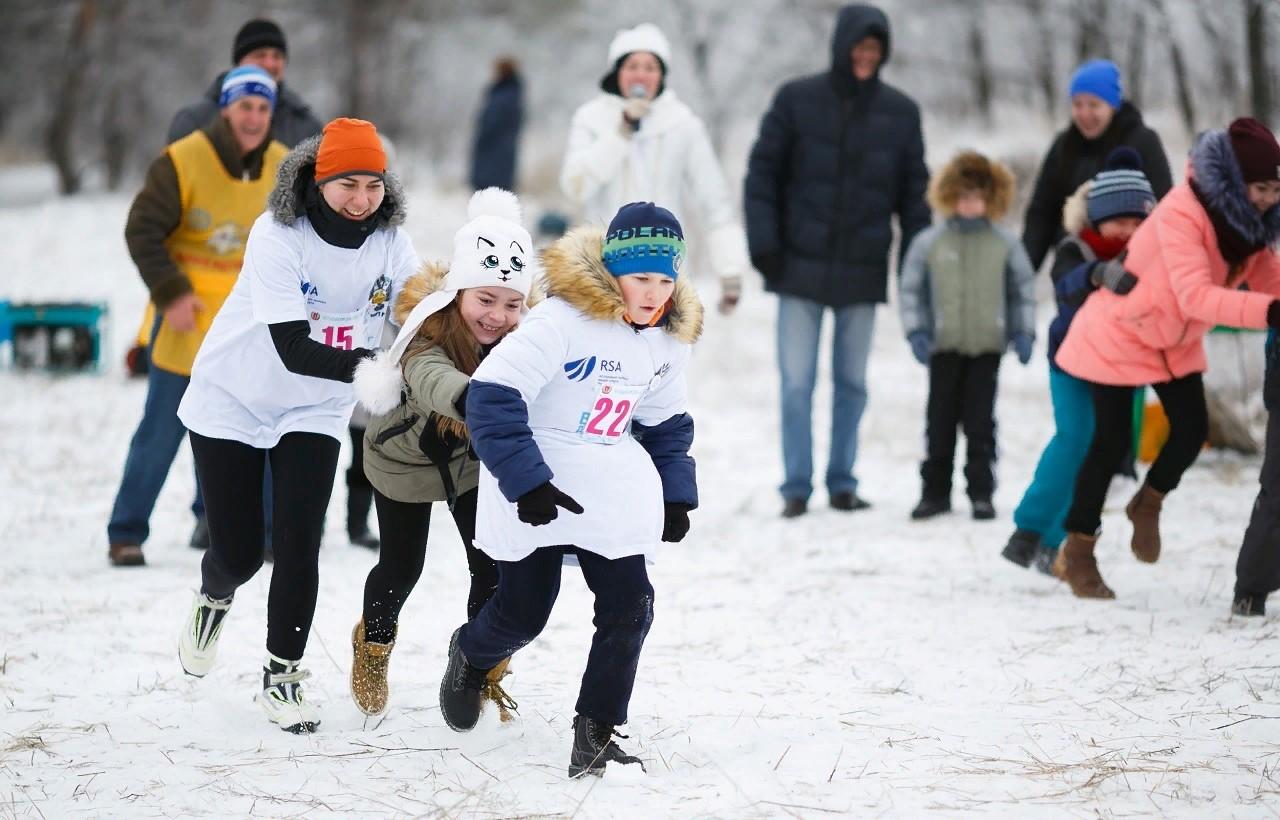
[(359, 499), (1022, 547), (794, 507), (200, 535), (983, 509), (930, 506), (593, 747), (461, 689), (1249, 604), (849, 502), (1045, 556)]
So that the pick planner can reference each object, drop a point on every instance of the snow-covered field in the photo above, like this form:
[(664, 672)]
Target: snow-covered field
[(838, 664)]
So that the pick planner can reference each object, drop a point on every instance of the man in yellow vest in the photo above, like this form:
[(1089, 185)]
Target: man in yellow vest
[(186, 233)]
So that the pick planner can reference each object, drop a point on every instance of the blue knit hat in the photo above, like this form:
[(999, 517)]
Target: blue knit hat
[(1121, 189), (1101, 78), (244, 81), (644, 238)]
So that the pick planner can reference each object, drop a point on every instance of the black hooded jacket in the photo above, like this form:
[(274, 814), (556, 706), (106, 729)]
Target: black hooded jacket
[(835, 160), (1072, 159)]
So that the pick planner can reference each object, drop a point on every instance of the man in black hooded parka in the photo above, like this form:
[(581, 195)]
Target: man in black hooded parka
[(839, 154)]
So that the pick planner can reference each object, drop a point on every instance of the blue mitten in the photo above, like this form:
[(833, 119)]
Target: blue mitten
[(921, 346)]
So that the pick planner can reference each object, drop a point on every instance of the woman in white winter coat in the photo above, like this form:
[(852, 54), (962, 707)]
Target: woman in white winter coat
[(638, 142)]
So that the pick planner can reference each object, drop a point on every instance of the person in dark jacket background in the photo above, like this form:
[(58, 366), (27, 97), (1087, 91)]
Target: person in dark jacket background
[(838, 155), (1101, 121), (261, 43), (493, 151)]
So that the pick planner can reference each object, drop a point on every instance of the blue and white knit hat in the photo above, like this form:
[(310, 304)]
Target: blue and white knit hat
[(1120, 189), (644, 238), (244, 81)]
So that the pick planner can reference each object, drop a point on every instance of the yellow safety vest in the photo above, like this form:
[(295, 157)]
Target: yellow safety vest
[(208, 246)]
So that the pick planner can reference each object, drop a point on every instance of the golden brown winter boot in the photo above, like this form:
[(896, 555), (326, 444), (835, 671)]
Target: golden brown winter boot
[(1076, 565), (369, 662), (493, 691), (1144, 511)]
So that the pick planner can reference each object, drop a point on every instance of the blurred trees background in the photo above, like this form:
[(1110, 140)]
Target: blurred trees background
[(90, 85)]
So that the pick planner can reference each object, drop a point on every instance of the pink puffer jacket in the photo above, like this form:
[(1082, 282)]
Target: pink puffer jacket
[(1185, 287)]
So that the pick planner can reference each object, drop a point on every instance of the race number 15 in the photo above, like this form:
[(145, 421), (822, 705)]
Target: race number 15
[(338, 336)]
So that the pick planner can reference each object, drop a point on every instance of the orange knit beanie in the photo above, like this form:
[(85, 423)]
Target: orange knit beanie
[(349, 147)]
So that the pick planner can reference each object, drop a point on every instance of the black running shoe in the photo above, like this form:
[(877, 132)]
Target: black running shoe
[(461, 689)]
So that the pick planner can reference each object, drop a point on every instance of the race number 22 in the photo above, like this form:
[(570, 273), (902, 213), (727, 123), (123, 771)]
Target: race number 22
[(609, 413)]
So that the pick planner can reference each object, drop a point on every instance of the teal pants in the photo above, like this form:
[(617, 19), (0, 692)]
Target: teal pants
[(1045, 503)]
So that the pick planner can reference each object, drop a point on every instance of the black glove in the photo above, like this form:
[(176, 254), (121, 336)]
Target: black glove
[(538, 506), (1112, 276), (461, 404), (675, 521), (769, 265)]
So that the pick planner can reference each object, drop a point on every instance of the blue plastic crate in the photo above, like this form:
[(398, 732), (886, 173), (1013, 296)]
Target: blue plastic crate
[(62, 336)]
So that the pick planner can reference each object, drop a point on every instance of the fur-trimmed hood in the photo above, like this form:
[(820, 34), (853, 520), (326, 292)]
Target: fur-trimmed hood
[(573, 270), (1216, 175), (968, 170), (1075, 211), (288, 200)]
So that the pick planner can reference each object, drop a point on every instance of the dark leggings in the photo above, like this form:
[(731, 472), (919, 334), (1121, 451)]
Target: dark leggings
[(404, 529), (231, 476), (1183, 401)]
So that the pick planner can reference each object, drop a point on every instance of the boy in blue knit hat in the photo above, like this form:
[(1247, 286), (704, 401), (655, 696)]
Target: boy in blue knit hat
[(1099, 220), (580, 421)]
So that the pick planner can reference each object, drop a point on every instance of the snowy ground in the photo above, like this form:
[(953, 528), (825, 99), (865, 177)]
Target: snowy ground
[(838, 664)]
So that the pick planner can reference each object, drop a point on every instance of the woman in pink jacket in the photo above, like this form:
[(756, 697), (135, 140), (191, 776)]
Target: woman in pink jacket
[(1208, 237)]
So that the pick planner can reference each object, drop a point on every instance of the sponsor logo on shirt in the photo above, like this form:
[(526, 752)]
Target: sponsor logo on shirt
[(226, 238), (579, 369), (311, 292)]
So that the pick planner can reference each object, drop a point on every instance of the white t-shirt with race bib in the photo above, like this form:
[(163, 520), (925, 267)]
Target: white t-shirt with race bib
[(585, 380), (240, 389)]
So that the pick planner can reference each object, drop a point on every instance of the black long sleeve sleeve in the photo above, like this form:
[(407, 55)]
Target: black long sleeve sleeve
[(303, 355)]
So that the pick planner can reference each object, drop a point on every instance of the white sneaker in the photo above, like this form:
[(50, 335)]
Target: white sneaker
[(198, 641), (281, 697)]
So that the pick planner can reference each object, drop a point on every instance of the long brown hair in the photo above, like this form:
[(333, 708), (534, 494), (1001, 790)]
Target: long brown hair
[(447, 330)]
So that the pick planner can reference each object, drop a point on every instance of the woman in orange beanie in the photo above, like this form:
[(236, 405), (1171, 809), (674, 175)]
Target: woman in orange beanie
[(272, 384)]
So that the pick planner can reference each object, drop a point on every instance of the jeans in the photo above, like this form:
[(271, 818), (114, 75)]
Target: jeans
[(527, 591), (799, 329), (151, 454), (1044, 505)]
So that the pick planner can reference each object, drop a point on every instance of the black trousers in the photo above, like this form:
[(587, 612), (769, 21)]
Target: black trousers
[(355, 473), (962, 393), (1258, 567), (527, 590), (404, 529), (1183, 402), (303, 466)]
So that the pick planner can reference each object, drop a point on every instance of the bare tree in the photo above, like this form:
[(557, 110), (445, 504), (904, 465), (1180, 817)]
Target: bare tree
[(1261, 103), (1226, 76), (62, 127), (983, 81), (1137, 68), (1046, 77)]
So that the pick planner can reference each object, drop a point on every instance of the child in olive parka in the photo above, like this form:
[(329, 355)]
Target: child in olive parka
[(966, 295)]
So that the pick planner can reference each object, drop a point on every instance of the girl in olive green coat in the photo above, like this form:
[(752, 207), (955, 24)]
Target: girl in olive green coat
[(417, 450)]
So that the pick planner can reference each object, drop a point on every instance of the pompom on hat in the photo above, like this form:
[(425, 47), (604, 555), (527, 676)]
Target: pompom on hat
[(493, 249), (349, 147)]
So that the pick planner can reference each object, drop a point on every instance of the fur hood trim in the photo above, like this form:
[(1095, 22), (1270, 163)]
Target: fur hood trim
[(575, 272), (288, 199), (1217, 176), (1075, 211), (967, 170)]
